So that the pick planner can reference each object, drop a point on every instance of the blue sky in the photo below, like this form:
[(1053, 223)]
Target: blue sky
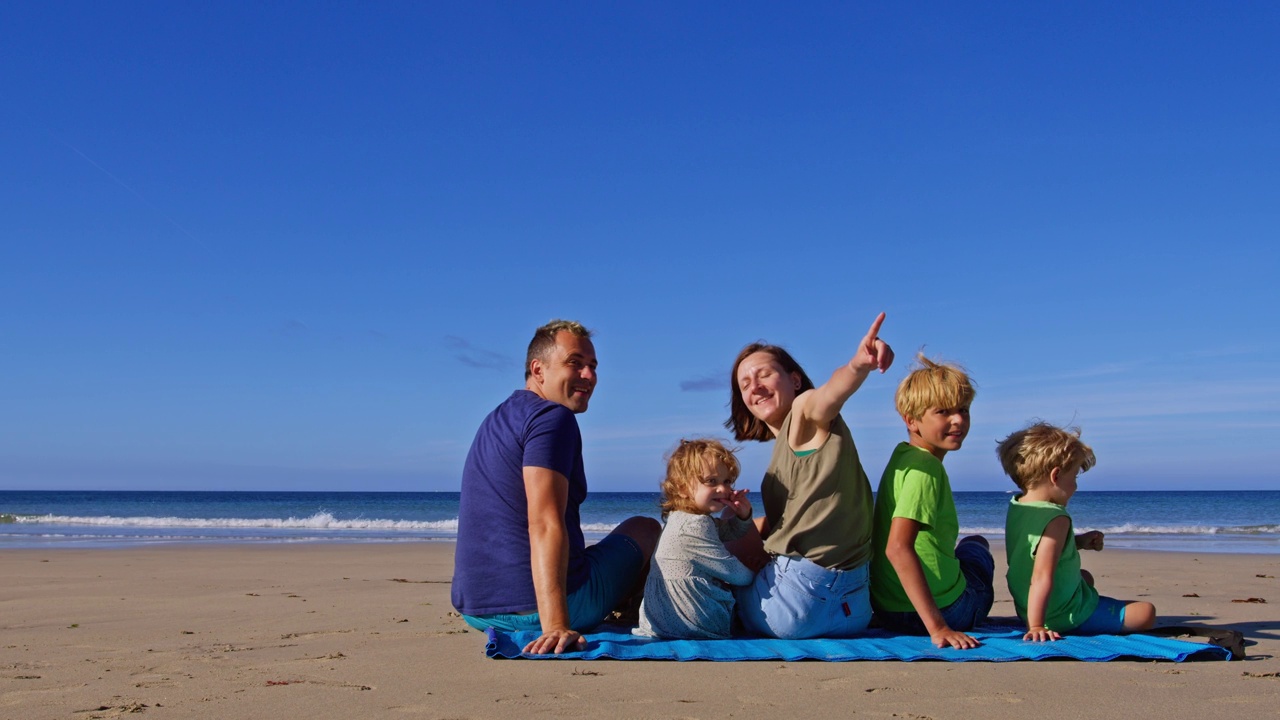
[(265, 247)]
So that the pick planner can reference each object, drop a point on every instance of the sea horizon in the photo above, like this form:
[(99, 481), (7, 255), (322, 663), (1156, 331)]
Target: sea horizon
[(1241, 521)]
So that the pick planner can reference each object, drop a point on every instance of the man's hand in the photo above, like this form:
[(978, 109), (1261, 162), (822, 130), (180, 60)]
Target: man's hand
[(956, 639), (1041, 634), (873, 353), (1091, 540), (556, 641)]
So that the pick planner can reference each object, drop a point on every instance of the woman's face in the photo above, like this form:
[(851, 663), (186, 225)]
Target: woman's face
[(767, 390)]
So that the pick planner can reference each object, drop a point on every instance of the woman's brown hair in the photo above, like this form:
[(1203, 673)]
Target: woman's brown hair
[(744, 425)]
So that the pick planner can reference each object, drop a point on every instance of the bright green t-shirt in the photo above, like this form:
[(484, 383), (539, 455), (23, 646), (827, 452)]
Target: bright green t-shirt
[(1072, 600), (915, 486)]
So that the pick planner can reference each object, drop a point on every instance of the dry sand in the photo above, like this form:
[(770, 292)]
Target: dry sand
[(357, 631)]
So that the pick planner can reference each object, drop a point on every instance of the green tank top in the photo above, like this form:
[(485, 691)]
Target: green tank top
[(1072, 600), (818, 504)]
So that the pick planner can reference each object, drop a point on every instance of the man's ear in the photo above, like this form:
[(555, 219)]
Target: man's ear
[(536, 370)]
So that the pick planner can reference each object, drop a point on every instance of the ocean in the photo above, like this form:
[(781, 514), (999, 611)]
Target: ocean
[(1205, 521)]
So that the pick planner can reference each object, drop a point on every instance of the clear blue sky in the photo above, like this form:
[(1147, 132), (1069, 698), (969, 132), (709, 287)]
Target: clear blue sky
[(303, 246)]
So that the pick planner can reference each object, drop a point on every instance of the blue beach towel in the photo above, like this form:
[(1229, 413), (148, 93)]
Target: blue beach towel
[(998, 645)]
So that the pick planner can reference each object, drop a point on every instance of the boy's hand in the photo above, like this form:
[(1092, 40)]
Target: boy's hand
[(1041, 634), (956, 639), (873, 353), (739, 504), (1091, 540)]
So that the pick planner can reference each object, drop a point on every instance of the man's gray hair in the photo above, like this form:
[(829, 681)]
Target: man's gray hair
[(544, 340)]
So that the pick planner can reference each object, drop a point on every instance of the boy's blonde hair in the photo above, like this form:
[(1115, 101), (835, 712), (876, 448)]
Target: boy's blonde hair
[(1029, 455), (686, 466), (933, 385)]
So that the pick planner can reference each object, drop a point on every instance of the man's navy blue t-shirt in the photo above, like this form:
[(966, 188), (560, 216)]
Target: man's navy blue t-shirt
[(491, 572)]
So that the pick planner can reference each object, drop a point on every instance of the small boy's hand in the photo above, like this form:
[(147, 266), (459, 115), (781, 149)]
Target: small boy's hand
[(1041, 634), (1091, 540), (954, 638), (739, 504), (873, 353)]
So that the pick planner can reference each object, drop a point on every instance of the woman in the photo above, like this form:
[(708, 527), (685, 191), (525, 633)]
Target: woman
[(817, 500)]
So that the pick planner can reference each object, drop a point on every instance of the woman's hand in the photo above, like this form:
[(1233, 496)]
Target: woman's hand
[(873, 353)]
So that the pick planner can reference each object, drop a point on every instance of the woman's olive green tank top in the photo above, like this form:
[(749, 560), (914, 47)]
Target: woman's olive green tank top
[(818, 505)]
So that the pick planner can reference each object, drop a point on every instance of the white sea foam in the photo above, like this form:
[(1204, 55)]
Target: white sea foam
[(318, 521), (598, 528), (1140, 529)]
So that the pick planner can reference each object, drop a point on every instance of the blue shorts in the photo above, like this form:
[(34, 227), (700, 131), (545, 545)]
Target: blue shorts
[(968, 610), (1107, 618), (796, 598), (613, 569)]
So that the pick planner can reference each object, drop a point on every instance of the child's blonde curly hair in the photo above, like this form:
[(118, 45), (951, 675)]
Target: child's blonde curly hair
[(687, 465), (1030, 454)]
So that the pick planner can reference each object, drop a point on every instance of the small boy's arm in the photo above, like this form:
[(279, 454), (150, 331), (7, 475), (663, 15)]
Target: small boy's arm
[(1091, 540), (901, 551), (1048, 552)]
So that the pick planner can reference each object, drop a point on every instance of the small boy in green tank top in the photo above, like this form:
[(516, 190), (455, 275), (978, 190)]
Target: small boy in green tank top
[(1051, 593)]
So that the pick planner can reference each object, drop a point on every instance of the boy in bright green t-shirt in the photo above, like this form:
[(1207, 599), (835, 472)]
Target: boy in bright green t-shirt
[(1051, 593), (922, 581)]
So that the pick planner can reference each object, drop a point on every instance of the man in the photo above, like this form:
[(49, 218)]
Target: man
[(521, 562)]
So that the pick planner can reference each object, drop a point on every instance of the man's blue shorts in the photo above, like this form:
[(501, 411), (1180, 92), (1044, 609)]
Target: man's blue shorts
[(968, 610), (1107, 618), (613, 569)]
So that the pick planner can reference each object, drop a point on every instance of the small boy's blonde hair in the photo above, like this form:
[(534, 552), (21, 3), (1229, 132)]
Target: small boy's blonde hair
[(686, 466), (933, 385), (1029, 455)]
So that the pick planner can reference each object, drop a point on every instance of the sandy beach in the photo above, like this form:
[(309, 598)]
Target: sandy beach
[(342, 631)]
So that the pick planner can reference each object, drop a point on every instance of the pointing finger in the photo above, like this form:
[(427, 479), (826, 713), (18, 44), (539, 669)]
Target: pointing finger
[(874, 332)]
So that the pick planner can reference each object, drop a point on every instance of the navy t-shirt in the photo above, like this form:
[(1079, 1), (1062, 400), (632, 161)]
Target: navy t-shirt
[(491, 572)]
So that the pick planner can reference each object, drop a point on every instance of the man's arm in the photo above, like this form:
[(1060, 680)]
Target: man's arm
[(548, 494), (901, 551)]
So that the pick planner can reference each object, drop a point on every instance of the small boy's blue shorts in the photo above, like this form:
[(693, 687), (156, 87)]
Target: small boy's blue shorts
[(614, 566), (1107, 618), (968, 610)]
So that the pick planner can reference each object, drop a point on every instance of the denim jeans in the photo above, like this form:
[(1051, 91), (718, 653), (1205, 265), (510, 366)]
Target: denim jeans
[(615, 563), (968, 610), (796, 598)]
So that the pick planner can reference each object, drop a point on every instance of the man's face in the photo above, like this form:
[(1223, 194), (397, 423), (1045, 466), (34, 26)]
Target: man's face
[(568, 375)]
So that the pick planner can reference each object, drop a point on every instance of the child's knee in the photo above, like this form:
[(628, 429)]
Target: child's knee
[(1139, 616)]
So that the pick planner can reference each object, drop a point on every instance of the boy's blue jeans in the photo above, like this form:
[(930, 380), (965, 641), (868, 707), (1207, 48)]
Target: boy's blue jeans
[(968, 610)]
